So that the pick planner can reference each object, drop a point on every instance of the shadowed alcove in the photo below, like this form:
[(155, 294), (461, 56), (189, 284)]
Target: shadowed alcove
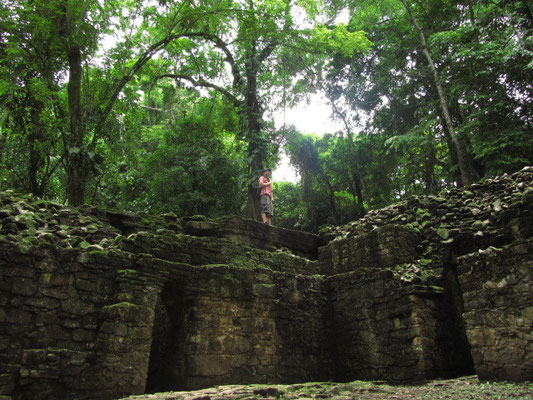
[(168, 367)]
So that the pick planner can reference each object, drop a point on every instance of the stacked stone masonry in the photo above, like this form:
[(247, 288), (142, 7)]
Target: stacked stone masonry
[(499, 304), (99, 304)]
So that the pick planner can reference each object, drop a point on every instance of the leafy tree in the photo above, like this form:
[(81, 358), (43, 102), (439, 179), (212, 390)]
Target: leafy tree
[(327, 183), (72, 30), (304, 155), (479, 52), (170, 110), (28, 97), (488, 54), (176, 153), (463, 157), (262, 46), (289, 209)]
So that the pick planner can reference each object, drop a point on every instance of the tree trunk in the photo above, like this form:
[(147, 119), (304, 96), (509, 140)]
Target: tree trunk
[(252, 113), (307, 186), (256, 157), (454, 172), (34, 161), (76, 180), (254, 205), (331, 197), (351, 188), (77, 166), (477, 167), (462, 155), (355, 169), (359, 191), (255, 168)]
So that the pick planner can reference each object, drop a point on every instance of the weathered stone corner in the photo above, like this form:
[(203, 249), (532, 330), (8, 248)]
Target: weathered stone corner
[(497, 293)]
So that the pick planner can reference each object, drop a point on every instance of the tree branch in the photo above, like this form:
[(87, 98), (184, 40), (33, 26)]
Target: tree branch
[(266, 52), (203, 83), (141, 61), (151, 108), (147, 55), (269, 48), (237, 78)]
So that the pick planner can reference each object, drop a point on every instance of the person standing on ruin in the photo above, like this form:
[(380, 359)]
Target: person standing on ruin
[(266, 197)]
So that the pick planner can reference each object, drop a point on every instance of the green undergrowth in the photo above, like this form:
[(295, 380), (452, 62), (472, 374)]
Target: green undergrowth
[(465, 388)]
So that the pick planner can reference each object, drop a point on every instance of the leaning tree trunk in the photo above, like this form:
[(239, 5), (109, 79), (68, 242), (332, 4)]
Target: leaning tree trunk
[(465, 165)]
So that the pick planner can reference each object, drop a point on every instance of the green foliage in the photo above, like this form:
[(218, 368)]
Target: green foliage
[(483, 54), (162, 108), (340, 40), (187, 161), (328, 187), (289, 208)]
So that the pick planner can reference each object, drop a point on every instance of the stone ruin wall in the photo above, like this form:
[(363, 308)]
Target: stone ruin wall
[(97, 304), (160, 310), (396, 326), (498, 299), (472, 248)]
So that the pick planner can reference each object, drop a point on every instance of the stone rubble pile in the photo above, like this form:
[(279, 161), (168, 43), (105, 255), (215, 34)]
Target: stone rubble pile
[(26, 221), (456, 222), (477, 210)]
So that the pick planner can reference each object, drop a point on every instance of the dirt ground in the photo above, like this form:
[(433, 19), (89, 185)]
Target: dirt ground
[(465, 388)]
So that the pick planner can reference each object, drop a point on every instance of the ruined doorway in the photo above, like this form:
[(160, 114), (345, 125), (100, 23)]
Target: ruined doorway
[(457, 346), (167, 369)]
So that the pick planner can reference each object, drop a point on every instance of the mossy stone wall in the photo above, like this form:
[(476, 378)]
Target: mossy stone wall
[(98, 304), (498, 294)]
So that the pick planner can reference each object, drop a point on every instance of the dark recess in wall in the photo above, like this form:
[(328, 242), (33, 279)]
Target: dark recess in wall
[(167, 369), (461, 358)]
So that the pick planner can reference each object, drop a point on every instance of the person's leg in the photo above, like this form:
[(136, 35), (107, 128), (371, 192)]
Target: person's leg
[(270, 212), (264, 208)]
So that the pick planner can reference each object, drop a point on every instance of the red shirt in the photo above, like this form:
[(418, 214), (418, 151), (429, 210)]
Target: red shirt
[(265, 189)]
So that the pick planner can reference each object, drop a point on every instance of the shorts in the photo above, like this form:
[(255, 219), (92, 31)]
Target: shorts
[(266, 205)]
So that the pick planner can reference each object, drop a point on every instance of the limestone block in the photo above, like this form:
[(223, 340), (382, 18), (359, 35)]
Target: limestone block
[(381, 248), (267, 291), (18, 317), (24, 286), (498, 312), (128, 312)]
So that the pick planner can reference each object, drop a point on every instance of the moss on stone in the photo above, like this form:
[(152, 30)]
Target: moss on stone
[(443, 233)]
